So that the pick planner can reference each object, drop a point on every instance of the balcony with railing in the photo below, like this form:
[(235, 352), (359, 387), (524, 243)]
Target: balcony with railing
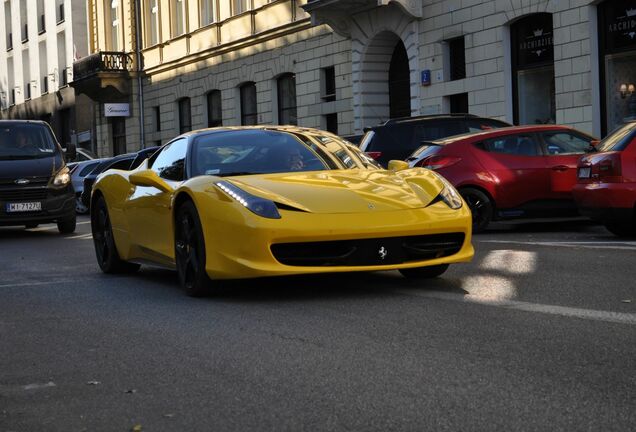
[(99, 73)]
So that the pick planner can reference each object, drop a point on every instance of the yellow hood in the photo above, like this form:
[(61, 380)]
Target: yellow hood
[(345, 191)]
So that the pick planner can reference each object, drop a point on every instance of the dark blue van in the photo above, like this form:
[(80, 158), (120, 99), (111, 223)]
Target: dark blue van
[(35, 184)]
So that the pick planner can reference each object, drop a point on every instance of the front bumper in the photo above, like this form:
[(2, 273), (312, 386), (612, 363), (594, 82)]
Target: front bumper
[(606, 201), (57, 204), (242, 247)]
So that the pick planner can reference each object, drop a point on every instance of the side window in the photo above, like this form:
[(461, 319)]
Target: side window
[(170, 162), (565, 143), (518, 145), (123, 164)]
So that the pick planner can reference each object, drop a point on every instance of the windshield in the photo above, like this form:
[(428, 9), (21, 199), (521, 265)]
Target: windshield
[(258, 151), (26, 141), (618, 139)]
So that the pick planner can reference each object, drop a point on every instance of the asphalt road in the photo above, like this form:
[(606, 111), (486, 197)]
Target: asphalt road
[(537, 333)]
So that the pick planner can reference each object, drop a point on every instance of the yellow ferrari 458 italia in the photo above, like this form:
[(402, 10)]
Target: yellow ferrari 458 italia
[(244, 202)]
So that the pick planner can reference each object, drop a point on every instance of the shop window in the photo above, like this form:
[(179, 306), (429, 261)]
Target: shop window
[(617, 58), (329, 84), (185, 115), (457, 58), (286, 87), (248, 104), (533, 69), (215, 110)]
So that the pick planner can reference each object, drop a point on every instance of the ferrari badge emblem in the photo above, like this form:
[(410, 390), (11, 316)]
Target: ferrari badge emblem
[(383, 252)]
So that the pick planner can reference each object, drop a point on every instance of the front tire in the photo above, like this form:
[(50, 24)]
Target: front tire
[(190, 251), (424, 272), (67, 225), (105, 249), (481, 207)]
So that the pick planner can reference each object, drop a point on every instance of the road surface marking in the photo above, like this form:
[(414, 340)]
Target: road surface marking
[(81, 236), (565, 311), (618, 245)]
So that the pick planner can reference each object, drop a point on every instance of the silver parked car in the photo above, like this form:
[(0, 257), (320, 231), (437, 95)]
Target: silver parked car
[(78, 172)]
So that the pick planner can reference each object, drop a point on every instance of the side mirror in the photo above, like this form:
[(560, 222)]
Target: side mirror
[(398, 165), (70, 152), (150, 179)]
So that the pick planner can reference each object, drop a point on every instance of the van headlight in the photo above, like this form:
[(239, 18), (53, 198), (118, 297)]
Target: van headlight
[(62, 178), (449, 194)]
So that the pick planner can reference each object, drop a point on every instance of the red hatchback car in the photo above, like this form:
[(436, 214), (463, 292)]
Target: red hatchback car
[(606, 189), (514, 172)]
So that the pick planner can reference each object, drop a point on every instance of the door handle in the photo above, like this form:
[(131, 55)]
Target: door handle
[(560, 168)]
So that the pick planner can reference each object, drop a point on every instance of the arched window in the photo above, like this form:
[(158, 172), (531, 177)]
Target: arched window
[(286, 88), (215, 111), (185, 115), (249, 111), (533, 69)]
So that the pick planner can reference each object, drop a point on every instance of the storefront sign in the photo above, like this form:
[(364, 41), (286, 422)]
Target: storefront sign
[(533, 39), (619, 24), (117, 110)]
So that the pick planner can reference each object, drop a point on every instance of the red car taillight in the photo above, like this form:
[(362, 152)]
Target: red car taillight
[(608, 168), (438, 162), (374, 154)]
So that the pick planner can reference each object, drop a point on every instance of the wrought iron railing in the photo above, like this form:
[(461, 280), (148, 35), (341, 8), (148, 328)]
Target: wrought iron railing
[(104, 61)]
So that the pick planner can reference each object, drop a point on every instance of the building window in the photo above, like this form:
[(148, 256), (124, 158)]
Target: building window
[(113, 28), (7, 25), (533, 69), (248, 104), (179, 17), (118, 125), (185, 116), (59, 10), (61, 59), (459, 103), (24, 28), (329, 84), (156, 118), (286, 86), (44, 83), (208, 12), (331, 123), (41, 17), (457, 58), (152, 22), (215, 111), (239, 6)]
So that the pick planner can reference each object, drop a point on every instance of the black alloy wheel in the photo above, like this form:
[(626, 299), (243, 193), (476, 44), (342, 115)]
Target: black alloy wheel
[(190, 251), (424, 272), (480, 206), (67, 225), (105, 249)]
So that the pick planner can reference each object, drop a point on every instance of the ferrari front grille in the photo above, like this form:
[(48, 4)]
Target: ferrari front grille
[(368, 252)]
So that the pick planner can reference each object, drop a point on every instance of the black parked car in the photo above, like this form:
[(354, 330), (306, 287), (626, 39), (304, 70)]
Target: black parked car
[(128, 161), (398, 138), (35, 184)]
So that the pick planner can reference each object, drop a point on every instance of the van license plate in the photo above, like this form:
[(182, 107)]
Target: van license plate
[(24, 207), (584, 172)]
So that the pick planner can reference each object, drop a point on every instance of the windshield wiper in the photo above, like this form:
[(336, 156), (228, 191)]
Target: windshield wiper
[(236, 173)]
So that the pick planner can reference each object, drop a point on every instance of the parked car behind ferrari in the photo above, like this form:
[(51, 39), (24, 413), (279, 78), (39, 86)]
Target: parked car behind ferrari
[(514, 172), (606, 189)]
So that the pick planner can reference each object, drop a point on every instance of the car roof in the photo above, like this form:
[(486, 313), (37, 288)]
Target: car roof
[(417, 119), (502, 131), (23, 122)]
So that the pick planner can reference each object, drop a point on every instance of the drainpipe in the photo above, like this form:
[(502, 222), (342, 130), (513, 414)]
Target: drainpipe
[(142, 133)]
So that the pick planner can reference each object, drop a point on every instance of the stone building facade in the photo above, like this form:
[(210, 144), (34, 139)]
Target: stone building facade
[(40, 42), (343, 65)]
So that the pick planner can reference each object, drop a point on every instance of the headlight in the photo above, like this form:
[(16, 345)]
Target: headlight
[(260, 206), (449, 194), (62, 178)]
